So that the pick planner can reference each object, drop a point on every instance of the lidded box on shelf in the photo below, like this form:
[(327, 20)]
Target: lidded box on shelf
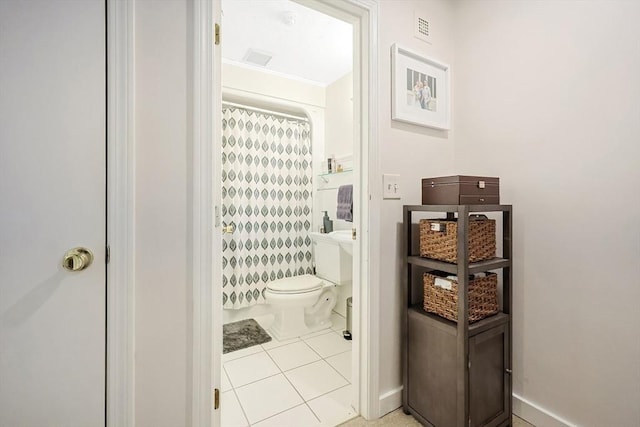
[(441, 296), (461, 190), (439, 239)]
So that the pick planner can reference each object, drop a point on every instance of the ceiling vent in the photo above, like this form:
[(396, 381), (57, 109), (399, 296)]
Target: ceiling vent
[(289, 18), (421, 28), (257, 58)]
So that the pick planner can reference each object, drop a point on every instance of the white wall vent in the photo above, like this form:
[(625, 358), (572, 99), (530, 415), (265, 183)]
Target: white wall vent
[(257, 58), (422, 28)]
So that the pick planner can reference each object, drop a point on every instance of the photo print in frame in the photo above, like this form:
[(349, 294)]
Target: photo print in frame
[(420, 89)]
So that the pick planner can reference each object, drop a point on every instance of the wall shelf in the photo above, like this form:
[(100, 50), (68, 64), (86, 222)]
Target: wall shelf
[(325, 178), (335, 173)]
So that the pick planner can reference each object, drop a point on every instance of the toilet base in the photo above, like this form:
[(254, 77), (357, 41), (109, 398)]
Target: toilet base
[(289, 323)]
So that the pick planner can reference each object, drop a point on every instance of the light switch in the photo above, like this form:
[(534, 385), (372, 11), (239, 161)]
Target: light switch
[(390, 186)]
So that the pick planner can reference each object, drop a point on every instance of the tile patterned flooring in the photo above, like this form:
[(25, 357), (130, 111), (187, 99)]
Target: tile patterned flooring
[(302, 382)]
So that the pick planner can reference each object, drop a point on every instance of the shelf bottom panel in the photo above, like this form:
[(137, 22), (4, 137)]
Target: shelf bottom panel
[(452, 327)]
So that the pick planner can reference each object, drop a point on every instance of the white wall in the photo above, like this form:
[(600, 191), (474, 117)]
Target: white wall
[(546, 98), (271, 85), (327, 197), (412, 151), (162, 304), (339, 133), (339, 117)]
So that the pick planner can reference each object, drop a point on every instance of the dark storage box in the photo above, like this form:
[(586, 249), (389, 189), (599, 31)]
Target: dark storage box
[(461, 190)]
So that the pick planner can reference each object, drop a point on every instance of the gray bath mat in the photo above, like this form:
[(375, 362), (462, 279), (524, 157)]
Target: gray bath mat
[(242, 334)]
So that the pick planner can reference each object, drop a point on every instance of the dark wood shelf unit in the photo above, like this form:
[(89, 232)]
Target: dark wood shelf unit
[(456, 373), (458, 208), (474, 267)]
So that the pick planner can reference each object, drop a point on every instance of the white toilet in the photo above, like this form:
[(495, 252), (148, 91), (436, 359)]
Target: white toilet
[(302, 304)]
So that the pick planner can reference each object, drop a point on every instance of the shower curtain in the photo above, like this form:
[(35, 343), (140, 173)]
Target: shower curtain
[(267, 197)]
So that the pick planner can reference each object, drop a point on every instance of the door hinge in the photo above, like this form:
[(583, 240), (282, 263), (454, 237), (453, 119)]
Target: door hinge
[(217, 34), (353, 234), (469, 421), (108, 254), (216, 398)]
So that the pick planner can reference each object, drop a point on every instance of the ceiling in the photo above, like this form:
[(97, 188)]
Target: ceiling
[(304, 44)]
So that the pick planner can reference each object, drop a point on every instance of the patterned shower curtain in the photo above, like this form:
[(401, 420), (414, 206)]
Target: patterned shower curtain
[(267, 197)]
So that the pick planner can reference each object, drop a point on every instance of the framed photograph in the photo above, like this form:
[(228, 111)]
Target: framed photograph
[(419, 89)]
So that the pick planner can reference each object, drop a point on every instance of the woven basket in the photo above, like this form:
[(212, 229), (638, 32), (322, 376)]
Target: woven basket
[(443, 245), (482, 295)]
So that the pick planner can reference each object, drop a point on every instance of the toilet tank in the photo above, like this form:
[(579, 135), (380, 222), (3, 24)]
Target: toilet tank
[(332, 262)]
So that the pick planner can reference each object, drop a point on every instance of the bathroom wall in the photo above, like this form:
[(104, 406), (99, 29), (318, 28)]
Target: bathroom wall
[(547, 99), (274, 86), (327, 194), (339, 117), (338, 142)]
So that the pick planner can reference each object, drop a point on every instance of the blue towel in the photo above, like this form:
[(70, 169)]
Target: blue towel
[(345, 203)]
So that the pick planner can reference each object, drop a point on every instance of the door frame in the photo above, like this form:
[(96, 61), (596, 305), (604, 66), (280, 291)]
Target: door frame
[(119, 393), (207, 346), (363, 15), (205, 228), (205, 233)]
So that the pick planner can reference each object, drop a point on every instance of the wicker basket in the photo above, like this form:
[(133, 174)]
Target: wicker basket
[(439, 239), (482, 295)]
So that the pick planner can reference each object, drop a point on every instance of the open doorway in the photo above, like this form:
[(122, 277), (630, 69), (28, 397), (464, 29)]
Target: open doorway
[(287, 154), (287, 151)]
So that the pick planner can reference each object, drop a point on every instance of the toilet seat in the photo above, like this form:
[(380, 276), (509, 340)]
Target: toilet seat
[(295, 285)]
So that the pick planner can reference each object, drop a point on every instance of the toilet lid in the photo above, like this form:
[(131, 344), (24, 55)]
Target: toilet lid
[(295, 284)]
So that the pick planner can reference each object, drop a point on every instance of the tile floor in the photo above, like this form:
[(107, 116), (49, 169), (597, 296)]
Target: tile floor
[(302, 382)]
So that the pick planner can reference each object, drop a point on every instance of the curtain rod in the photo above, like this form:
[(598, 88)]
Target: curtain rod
[(260, 110)]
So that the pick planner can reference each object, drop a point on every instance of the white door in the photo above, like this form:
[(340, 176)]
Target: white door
[(52, 198)]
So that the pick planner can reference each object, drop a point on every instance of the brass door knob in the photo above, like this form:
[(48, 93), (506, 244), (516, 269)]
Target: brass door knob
[(228, 229), (77, 259)]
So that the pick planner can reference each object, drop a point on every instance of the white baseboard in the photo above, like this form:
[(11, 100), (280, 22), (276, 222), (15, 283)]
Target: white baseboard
[(522, 408), (390, 401), (537, 415)]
